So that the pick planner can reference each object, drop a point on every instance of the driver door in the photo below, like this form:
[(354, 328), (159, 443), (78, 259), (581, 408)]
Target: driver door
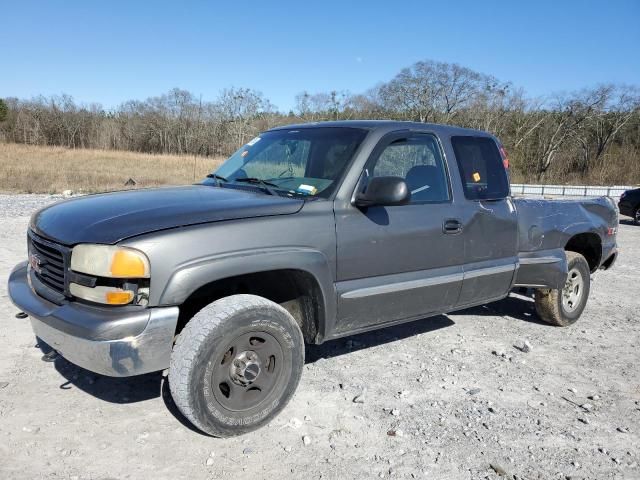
[(400, 262)]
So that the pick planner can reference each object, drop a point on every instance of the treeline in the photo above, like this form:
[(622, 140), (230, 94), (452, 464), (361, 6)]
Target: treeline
[(592, 135)]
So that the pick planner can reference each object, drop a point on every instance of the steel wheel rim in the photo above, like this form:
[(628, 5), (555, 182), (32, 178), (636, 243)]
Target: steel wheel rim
[(247, 371), (637, 216), (572, 290)]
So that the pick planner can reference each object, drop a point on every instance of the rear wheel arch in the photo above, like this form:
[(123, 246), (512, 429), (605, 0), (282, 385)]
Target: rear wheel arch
[(589, 245)]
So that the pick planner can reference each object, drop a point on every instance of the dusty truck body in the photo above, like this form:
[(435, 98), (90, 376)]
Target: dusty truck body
[(307, 233)]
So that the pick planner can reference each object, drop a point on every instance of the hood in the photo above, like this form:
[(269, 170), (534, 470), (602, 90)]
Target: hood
[(111, 217)]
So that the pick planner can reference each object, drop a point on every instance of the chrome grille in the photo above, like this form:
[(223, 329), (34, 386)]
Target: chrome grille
[(51, 263)]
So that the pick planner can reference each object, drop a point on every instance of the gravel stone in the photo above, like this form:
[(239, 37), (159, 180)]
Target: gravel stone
[(444, 436), (359, 398), (499, 470), (13, 206)]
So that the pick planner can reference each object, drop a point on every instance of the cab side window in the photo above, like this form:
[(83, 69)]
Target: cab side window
[(417, 159), (483, 174)]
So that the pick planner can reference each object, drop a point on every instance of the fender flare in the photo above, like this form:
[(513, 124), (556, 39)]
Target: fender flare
[(195, 274), (581, 228)]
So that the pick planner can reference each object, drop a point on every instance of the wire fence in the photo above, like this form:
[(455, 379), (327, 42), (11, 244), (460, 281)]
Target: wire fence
[(569, 190)]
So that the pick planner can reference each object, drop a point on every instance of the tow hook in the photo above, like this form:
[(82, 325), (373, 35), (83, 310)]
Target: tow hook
[(21, 315), (50, 357)]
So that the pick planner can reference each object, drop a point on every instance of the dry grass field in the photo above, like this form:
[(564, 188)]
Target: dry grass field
[(36, 169)]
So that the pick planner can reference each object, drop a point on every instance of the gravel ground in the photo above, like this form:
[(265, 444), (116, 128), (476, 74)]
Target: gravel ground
[(451, 397)]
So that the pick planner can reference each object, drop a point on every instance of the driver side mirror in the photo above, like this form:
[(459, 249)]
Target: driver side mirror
[(383, 191)]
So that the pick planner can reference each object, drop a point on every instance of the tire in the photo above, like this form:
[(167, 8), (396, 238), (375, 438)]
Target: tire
[(562, 307), (236, 364), (636, 215)]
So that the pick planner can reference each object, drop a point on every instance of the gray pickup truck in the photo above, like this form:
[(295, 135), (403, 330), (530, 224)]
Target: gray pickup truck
[(306, 234)]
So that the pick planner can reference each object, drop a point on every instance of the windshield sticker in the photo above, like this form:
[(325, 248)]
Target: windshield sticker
[(253, 142), (476, 177), (308, 189)]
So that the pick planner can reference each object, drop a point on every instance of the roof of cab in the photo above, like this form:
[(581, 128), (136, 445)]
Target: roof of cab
[(386, 125)]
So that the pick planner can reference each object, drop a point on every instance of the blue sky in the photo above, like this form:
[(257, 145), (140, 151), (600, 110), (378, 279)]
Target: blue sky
[(111, 51)]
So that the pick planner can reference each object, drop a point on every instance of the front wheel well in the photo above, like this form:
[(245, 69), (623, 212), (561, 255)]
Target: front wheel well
[(295, 290), (589, 246)]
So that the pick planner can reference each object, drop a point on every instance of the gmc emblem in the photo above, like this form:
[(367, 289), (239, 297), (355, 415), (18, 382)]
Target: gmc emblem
[(36, 263)]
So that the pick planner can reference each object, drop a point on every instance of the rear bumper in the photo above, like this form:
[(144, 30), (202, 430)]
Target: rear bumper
[(609, 256), (113, 341)]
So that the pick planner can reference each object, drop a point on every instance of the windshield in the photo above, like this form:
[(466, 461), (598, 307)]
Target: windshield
[(303, 162)]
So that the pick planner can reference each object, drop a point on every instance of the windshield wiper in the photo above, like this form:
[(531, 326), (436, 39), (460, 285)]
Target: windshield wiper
[(217, 178), (258, 181)]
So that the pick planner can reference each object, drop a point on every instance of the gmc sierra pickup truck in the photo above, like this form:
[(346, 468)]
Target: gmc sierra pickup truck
[(306, 234)]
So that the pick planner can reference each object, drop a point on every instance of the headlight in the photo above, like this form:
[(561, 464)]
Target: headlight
[(109, 261)]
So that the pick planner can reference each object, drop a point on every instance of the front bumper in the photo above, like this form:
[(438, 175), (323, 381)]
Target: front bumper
[(113, 341)]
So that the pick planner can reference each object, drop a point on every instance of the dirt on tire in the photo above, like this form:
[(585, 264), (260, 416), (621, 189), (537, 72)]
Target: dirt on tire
[(548, 302)]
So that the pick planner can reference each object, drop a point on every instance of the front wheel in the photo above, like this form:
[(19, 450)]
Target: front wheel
[(562, 307), (236, 364), (636, 215)]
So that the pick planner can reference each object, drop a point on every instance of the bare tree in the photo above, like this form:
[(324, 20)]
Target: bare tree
[(592, 133), (617, 106), (239, 108)]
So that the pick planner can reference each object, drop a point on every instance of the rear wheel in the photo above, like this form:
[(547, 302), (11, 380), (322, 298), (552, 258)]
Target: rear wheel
[(636, 215), (236, 364), (562, 307)]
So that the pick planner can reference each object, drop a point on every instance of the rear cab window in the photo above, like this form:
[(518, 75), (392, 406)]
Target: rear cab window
[(482, 170)]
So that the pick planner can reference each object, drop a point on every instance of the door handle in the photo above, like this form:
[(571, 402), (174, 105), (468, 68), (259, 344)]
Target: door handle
[(452, 226)]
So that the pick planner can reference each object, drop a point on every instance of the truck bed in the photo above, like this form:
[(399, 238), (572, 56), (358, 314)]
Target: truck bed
[(545, 228)]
